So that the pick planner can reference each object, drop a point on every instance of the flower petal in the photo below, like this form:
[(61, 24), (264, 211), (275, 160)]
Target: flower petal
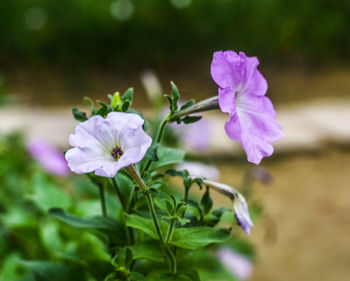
[(225, 69), (253, 81), (118, 120), (227, 100), (85, 160), (240, 207), (258, 126), (233, 128), (93, 133)]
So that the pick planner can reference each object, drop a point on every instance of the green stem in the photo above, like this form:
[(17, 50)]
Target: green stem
[(103, 200), (170, 231), (158, 139), (187, 191), (173, 264), (119, 194), (154, 216)]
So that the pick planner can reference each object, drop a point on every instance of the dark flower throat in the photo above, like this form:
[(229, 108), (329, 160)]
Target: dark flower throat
[(117, 153)]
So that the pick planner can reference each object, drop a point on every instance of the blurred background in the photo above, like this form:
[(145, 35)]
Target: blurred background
[(53, 53)]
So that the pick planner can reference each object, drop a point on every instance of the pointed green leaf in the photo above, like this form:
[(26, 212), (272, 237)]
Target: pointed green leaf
[(168, 156), (198, 237), (78, 115), (191, 119), (109, 226), (146, 225), (187, 104), (147, 250)]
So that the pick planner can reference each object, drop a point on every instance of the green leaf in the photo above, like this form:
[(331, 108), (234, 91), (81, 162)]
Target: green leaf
[(191, 119), (152, 152), (170, 101), (175, 96), (147, 250), (168, 156), (126, 105), (128, 95), (136, 276), (53, 271), (197, 237), (146, 225), (91, 104), (115, 100), (187, 104), (103, 110), (46, 195), (109, 226), (78, 115), (206, 202)]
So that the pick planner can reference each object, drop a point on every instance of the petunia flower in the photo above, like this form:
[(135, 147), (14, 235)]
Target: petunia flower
[(106, 145), (50, 158), (240, 206), (236, 263), (242, 90)]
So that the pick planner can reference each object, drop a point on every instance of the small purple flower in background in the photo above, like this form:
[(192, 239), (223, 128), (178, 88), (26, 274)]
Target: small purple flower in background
[(235, 263), (197, 170), (50, 158), (242, 90), (195, 136), (240, 206), (107, 145)]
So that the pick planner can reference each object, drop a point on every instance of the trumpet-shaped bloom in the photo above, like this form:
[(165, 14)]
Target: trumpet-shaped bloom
[(240, 206), (50, 158), (242, 90), (236, 263), (106, 145)]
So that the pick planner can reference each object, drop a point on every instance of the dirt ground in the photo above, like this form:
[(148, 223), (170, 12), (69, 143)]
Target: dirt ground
[(305, 230)]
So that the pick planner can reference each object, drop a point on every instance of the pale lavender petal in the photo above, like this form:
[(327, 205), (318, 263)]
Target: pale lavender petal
[(132, 137), (85, 160), (233, 128), (240, 208), (227, 100), (51, 159), (258, 126), (236, 263), (224, 69), (94, 132), (253, 81)]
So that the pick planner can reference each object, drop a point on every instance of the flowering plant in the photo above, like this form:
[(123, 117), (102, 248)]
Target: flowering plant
[(150, 230)]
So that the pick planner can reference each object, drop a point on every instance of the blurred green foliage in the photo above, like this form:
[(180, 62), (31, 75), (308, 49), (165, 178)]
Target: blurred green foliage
[(120, 32)]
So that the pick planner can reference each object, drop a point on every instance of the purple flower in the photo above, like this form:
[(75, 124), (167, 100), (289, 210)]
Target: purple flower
[(107, 145), (240, 206), (235, 263), (242, 90), (51, 159)]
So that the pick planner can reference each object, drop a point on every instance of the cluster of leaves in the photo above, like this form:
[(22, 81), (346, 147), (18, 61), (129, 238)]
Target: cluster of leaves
[(173, 100), (117, 103)]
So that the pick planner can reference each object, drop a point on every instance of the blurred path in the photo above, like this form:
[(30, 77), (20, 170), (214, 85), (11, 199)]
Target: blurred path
[(308, 126)]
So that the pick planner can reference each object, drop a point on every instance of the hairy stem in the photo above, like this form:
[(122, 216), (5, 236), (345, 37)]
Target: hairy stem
[(205, 105)]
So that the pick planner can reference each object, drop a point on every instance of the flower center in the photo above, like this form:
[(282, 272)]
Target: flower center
[(116, 153)]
